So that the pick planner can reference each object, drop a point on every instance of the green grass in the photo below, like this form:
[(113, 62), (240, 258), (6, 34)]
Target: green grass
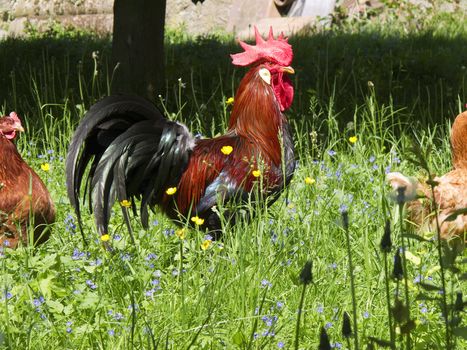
[(244, 291)]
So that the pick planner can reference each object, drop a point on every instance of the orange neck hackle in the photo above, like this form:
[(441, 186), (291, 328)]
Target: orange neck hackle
[(459, 141), (256, 114)]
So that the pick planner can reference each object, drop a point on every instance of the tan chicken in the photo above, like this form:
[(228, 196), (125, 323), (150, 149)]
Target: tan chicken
[(450, 194), (24, 199)]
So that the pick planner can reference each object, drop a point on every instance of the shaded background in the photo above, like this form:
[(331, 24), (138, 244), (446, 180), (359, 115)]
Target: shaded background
[(413, 58)]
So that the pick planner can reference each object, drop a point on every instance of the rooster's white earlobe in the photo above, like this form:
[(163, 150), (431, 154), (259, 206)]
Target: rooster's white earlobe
[(265, 74)]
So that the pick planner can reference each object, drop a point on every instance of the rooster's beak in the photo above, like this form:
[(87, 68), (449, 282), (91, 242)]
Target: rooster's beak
[(288, 69), (19, 128)]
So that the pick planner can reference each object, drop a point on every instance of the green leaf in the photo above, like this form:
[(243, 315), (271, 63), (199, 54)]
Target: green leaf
[(84, 329), (422, 296), (455, 214), (89, 301), (408, 327), (429, 287), (415, 237), (55, 306), (239, 338), (45, 286), (90, 269), (400, 311), (381, 342), (460, 332), (68, 309)]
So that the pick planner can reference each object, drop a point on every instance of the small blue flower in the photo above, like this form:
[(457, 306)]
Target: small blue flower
[(280, 345), (134, 307), (168, 232), (265, 283), (111, 332), (91, 284), (332, 153), (372, 159), (150, 293), (279, 305), (366, 314), (96, 262), (328, 325), (343, 208), (39, 301), (7, 295), (320, 309), (125, 257), (77, 255)]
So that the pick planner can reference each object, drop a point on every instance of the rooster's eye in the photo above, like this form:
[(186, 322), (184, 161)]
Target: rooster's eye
[(265, 74)]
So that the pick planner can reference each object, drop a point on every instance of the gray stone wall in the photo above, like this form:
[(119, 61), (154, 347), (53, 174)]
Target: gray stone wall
[(207, 17), (210, 16)]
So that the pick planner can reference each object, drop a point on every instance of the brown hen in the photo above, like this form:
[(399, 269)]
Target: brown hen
[(24, 198), (450, 193)]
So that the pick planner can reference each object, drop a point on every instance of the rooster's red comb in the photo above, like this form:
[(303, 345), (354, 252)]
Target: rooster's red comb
[(274, 50)]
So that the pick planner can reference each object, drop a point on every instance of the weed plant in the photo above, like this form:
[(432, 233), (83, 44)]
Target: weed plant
[(358, 86)]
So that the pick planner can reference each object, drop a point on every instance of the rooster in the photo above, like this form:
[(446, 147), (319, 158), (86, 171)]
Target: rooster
[(450, 192), (136, 153), (23, 196)]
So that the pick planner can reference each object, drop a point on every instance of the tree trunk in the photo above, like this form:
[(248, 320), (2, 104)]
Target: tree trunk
[(138, 47)]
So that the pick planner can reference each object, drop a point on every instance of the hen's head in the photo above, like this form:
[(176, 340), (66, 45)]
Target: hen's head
[(9, 125), (273, 58)]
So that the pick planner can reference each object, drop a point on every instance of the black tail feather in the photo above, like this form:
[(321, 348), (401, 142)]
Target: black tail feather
[(133, 152)]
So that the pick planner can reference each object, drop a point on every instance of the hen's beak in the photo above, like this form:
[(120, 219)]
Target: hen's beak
[(18, 128), (288, 69)]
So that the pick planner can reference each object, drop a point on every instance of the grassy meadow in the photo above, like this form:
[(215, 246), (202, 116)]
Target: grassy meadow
[(366, 92)]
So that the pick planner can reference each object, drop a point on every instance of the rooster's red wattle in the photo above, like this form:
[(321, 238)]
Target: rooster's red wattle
[(136, 153)]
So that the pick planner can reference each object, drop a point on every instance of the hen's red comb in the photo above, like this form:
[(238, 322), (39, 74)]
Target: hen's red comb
[(275, 50), (15, 117)]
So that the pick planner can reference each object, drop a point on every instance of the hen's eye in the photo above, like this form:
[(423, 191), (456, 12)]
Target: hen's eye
[(265, 74)]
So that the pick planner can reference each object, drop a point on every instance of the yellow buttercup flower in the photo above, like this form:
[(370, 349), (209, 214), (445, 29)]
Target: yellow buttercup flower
[(206, 244), (309, 180), (181, 233), (229, 101), (226, 150), (45, 166), (353, 139), (171, 190), (197, 220), (125, 203), (105, 238), (256, 173)]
